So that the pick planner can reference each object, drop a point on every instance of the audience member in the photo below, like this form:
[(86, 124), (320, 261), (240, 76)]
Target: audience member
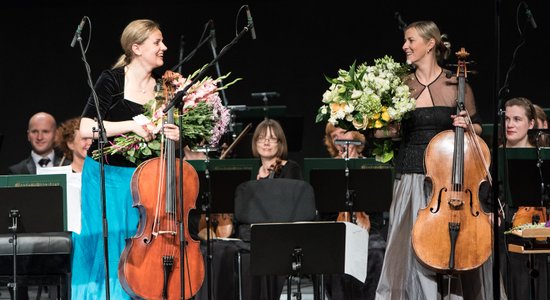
[(41, 136)]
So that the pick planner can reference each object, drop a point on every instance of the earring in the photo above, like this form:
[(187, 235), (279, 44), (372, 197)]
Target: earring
[(429, 50)]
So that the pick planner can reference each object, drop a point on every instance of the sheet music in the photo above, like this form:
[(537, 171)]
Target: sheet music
[(357, 244), (74, 184)]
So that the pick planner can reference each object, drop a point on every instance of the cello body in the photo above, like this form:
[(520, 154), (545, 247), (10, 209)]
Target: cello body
[(453, 233), (431, 236), (143, 270)]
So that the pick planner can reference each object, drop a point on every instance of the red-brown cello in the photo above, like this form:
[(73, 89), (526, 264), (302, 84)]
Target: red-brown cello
[(149, 267), (453, 233)]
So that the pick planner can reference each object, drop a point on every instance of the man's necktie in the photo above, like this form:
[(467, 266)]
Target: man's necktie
[(44, 162)]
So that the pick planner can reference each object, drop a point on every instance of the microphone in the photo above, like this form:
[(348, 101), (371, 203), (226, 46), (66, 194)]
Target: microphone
[(348, 142), (250, 23), (78, 31), (530, 17), (265, 94), (213, 34), (400, 24)]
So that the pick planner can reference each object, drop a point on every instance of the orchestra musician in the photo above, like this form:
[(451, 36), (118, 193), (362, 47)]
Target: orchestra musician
[(520, 116), (403, 276), (122, 91)]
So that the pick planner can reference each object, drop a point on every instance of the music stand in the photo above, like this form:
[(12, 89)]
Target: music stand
[(35, 204), (27, 208), (225, 176), (524, 176), (298, 248), (371, 182)]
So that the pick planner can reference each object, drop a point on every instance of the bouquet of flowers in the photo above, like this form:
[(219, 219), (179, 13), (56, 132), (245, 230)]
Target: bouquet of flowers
[(368, 97), (204, 119)]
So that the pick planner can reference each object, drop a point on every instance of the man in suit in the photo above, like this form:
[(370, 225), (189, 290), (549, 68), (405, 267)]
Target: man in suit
[(41, 136)]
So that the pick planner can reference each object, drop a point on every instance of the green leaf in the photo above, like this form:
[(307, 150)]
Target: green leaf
[(146, 151), (320, 118)]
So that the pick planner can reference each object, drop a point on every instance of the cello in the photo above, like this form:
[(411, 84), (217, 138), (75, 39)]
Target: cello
[(150, 265), (453, 233)]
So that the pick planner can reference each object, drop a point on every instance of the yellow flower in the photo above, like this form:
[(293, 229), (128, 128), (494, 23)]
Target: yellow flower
[(378, 124), (385, 116), (376, 116)]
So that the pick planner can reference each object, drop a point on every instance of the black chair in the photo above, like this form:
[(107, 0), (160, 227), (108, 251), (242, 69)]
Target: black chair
[(269, 201), (43, 259)]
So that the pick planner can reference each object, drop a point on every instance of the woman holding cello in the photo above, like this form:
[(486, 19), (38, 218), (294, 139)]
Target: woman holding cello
[(403, 275), (122, 91)]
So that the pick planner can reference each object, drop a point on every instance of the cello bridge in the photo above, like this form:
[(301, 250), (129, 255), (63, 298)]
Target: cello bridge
[(456, 203), (170, 232)]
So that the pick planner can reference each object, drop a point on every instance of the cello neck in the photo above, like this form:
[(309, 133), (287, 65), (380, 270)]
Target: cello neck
[(458, 157), (170, 172)]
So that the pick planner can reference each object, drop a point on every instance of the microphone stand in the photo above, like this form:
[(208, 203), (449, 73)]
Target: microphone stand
[(102, 140), (177, 100), (14, 215), (191, 54), (544, 202), (179, 96), (499, 119), (218, 71), (206, 209)]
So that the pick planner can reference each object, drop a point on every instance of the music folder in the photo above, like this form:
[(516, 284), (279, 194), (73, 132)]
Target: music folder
[(326, 247), (41, 209)]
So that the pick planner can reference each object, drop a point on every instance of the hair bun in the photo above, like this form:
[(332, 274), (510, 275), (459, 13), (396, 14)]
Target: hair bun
[(445, 46)]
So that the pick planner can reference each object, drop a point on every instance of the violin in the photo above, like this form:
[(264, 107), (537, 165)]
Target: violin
[(453, 233), (150, 266)]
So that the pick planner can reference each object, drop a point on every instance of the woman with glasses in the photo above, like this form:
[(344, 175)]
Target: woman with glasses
[(269, 144)]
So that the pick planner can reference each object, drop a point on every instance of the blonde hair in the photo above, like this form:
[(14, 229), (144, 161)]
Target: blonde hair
[(135, 33), (429, 30)]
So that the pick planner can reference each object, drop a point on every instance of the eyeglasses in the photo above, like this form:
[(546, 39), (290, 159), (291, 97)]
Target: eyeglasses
[(267, 140)]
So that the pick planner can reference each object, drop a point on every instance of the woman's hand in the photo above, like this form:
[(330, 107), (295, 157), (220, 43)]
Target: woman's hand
[(460, 120), (143, 131), (391, 131), (172, 132)]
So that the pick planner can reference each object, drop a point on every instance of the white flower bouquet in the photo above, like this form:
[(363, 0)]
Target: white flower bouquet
[(368, 97)]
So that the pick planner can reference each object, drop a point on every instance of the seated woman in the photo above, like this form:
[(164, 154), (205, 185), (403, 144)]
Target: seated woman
[(269, 144), (520, 117), (345, 286)]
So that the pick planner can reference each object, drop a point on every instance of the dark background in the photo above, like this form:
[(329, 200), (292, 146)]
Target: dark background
[(297, 44)]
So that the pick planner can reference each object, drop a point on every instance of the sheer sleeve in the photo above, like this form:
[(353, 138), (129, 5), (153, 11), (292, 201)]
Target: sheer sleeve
[(444, 92), (470, 104)]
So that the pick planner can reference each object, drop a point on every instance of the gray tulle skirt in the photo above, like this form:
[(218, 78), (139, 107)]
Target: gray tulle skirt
[(403, 276)]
